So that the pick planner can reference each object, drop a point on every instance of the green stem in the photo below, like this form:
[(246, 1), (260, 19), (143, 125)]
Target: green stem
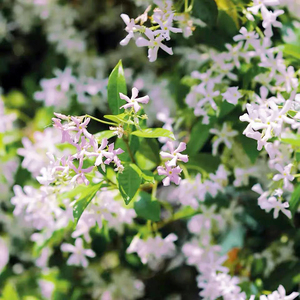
[(154, 189), (101, 121), (185, 171), (129, 150)]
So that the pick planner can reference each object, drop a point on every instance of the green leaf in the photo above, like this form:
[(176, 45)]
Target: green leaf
[(129, 182), (118, 118), (147, 176), (106, 134), (295, 200), (231, 9), (206, 11), (116, 85), (249, 146), (147, 209), (154, 133), (291, 138), (205, 161), (9, 292), (199, 136), (147, 156), (84, 199), (2, 146), (292, 50), (225, 109)]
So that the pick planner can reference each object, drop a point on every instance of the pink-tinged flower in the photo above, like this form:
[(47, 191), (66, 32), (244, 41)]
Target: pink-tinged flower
[(175, 155), (112, 155), (171, 173), (79, 254), (285, 174), (81, 128), (134, 101), (153, 44), (274, 203), (80, 173), (232, 95)]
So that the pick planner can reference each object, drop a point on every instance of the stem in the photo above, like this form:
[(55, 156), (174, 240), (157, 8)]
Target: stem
[(129, 150), (185, 171), (154, 189), (101, 121)]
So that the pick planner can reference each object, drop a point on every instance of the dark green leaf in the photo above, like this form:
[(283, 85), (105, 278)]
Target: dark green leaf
[(129, 182), (250, 147), (147, 156), (199, 136), (116, 85), (206, 11), (84, 199), (154, 133), (147, 209), (295, 200)]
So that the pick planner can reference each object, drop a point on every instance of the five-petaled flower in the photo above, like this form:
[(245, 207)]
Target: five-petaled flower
[(134, 101)]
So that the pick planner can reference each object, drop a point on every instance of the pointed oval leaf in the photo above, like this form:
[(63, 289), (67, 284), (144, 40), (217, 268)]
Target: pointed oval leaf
[(146, 208), (116, 84), (154, 133), (84, 199), (129, 182)]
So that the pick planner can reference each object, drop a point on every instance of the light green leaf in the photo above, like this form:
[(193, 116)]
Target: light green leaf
[(129, 181), (291, 138), (106, 134), (9, 292), (116, 85), (292, 50), (84, 199), (147, 209), (118, 118), (154, 133), (230, 8), (2, 146)]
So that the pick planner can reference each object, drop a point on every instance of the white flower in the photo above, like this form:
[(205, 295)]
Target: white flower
[(131, 27), (223, 136), (285, 175), (244, 35), (232, 95), (79, 254), (154, 43), (134, 101)]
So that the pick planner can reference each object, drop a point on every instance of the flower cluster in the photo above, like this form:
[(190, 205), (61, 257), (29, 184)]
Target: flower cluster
[(171, 169), (153, 250), (162, 25), (75, 133)]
